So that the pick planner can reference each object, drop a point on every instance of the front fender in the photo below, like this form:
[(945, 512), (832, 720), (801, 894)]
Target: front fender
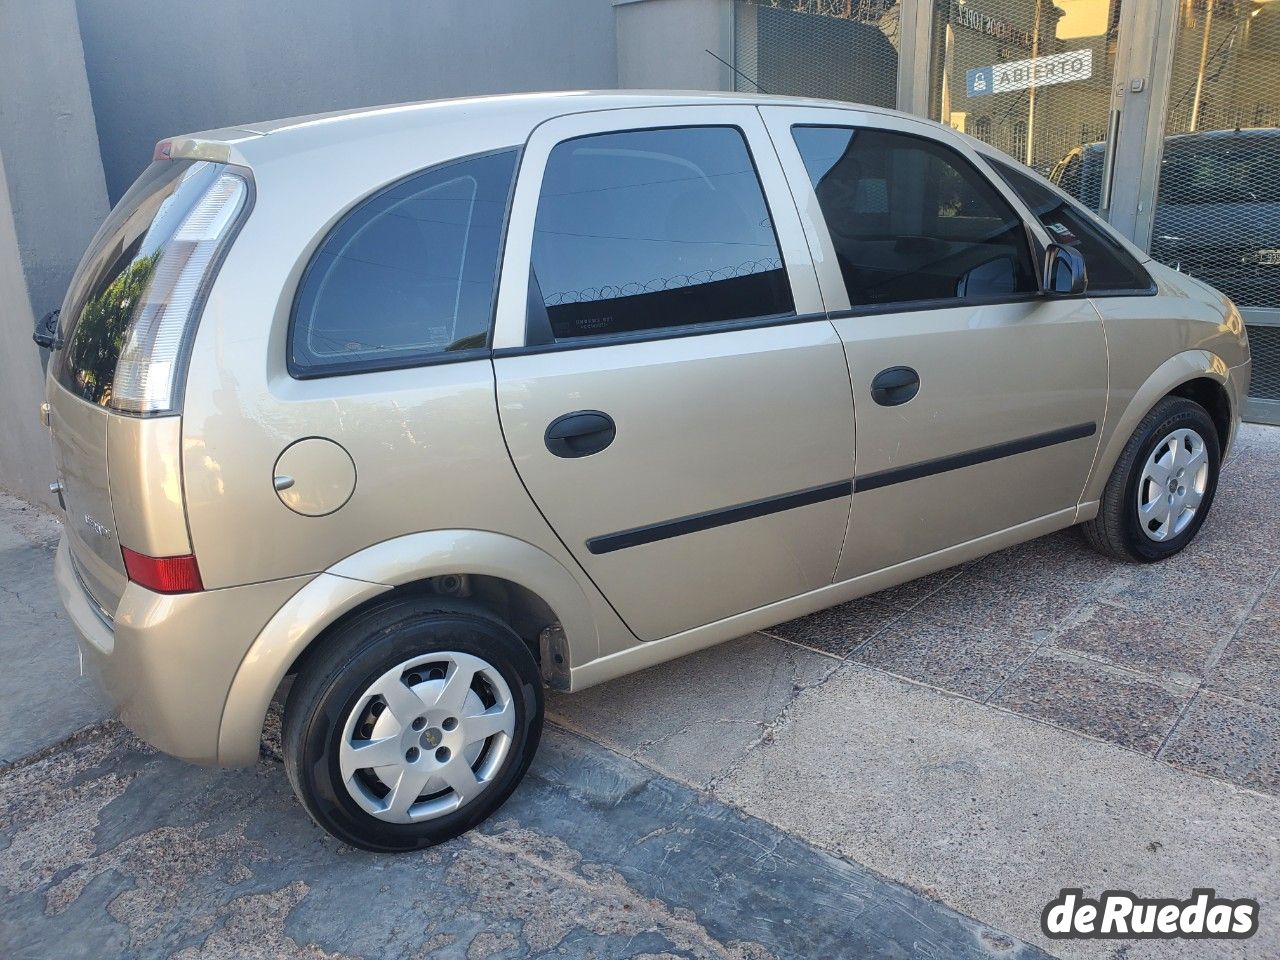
[(1177, 370), (377, 570)]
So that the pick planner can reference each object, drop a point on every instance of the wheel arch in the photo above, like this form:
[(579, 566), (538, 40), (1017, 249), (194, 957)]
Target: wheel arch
[(507, 576), (1197, 375)]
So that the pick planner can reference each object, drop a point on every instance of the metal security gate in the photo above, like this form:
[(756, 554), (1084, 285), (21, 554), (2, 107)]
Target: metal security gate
[(1217, 210), (1162, 115), (834, 49)]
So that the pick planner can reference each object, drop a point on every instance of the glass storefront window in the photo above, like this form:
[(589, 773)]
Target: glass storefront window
[(1218, 201), (1030, 77)]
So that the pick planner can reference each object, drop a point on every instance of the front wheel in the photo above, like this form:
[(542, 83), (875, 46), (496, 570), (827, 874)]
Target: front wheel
[(411, 724), (1162, 486)]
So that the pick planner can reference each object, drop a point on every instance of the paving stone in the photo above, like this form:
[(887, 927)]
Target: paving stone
[(1229, 739), (1061, 557), (1177, 594), (1264, 620), (1081, 695), (696, 714), (1249, 670), (1014, 605), (907, 595), (954, 657), (838, 630), (1141, 642)]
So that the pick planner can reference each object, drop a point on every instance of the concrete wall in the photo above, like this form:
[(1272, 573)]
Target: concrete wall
[(162, 68), (662, 44), (52, 199)]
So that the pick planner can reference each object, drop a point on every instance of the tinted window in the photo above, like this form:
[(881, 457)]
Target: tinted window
[(408, 275), (912, 220), (653, 228), (1110, 267)]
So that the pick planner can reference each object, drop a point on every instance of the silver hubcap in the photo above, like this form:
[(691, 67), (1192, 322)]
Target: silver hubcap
[(427, 737), (1173, 484)]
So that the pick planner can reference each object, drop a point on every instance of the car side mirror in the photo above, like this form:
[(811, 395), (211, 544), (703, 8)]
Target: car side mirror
[(1064, 271), (46, 332)]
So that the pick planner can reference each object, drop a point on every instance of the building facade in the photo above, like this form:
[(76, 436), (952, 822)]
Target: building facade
[(1162, 115)]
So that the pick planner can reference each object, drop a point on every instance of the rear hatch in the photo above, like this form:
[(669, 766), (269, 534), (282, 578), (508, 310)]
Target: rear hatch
[(125, 324)]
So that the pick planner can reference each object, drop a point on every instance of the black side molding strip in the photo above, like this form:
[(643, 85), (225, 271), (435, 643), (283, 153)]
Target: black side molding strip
[(717, 518), (667, 529), (927, 468)]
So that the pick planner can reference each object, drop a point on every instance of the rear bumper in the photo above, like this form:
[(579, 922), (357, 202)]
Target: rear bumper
[(166, 662)]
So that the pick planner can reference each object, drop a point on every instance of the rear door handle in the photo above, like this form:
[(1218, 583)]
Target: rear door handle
[(895, 386), (580, 434)]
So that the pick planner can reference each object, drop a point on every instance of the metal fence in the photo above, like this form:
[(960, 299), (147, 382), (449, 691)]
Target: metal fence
[(833, 49)]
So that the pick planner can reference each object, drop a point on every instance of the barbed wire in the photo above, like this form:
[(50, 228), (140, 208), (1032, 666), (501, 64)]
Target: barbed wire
[(658, 284)]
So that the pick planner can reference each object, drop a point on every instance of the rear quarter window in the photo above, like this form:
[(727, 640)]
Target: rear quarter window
[(408, 276)]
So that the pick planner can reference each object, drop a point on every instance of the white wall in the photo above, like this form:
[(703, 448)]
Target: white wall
[(662, 44), (52, 198)]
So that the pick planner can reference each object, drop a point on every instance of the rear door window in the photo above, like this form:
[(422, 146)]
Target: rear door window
[(912, 220), (408, 276), (651, 229), (1111, 268)]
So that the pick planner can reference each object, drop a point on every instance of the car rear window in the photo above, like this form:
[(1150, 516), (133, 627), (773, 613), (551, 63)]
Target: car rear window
[(112, 276), (407, 277)]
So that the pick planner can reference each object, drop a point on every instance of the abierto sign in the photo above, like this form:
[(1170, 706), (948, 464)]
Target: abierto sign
[(1021, 74)]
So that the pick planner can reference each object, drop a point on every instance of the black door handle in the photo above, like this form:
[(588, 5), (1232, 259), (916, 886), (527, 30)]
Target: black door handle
[(895, 386), (580, 434)]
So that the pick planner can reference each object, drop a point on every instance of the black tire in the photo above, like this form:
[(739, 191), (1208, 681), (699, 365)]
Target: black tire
[(1116, 531), (339, 671)]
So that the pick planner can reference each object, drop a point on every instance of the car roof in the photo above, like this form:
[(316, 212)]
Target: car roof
[(548, 104), (515, 111)]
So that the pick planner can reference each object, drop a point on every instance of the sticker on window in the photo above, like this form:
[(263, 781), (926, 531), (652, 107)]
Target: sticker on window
[(1061, 233)]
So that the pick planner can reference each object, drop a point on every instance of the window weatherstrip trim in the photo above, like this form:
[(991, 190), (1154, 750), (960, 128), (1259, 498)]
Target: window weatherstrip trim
[(698, 522)]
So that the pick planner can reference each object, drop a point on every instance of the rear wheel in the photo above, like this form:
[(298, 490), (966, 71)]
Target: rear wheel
[(411, 724), (1162, 486)]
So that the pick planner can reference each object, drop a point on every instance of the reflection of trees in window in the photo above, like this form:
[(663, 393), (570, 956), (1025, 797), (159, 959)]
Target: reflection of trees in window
[(99, 334)]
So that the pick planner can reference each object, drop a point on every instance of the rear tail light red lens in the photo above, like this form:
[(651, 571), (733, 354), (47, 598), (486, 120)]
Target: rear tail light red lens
[(163, 574)]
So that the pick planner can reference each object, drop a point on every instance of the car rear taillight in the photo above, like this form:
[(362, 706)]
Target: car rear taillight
[(163, 574), (173, 281)]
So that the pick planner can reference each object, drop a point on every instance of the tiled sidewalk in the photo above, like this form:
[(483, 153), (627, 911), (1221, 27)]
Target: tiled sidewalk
[(1178, 660)]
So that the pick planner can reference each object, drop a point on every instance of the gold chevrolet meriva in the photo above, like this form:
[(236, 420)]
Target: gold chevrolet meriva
[(428, 406)]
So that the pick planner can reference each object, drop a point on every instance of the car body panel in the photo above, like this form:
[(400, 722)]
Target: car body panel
[(167, 662), (79, 432)]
